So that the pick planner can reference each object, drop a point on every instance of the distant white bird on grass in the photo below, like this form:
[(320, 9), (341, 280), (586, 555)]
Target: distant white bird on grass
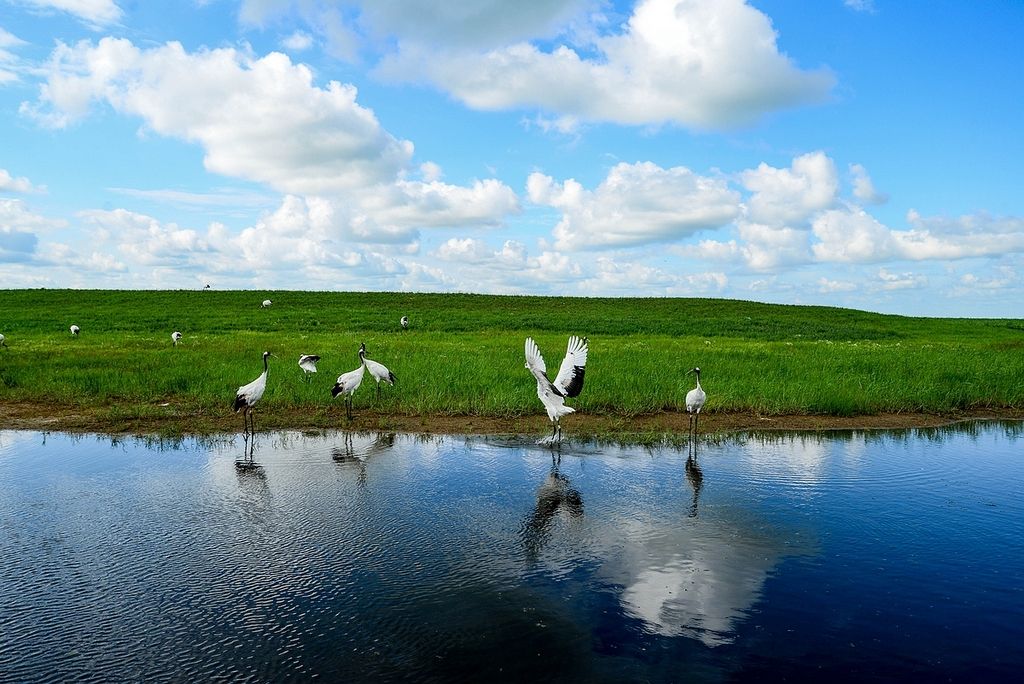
[(75, 330), (3, 341), (347, 384), (568, 382), (405, 322), (266, 303), (175, 337), (379, 372), (695, 399), (247, 396), (307, 362)]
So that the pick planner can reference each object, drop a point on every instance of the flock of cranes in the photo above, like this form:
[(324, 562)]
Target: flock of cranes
[(568, 383), (552, 393)]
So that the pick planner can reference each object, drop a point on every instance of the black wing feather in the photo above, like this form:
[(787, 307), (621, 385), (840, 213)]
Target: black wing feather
[(575, 385)]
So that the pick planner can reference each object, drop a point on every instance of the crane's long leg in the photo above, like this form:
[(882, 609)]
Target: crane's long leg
[(378, 390), (348, 407)]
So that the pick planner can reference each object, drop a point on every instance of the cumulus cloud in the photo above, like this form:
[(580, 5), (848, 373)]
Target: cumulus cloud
[(695, 63), (263, 119), (146, 241), (635, 204), (9, 183), (790, 196), (508, 269), (852, 235), (19, 231), (863, 188), (629, 277), (93, 12)]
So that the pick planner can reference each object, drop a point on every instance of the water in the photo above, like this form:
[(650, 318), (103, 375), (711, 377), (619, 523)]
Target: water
[(375, 557)]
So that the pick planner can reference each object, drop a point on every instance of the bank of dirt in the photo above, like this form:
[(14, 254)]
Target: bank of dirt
[(170, 419)]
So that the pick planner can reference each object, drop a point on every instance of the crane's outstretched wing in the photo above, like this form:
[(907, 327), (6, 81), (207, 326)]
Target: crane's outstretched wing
[(569, 380), (533, 358)]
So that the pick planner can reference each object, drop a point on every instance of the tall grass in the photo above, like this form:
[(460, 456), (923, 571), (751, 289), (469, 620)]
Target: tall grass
[(464, 353)]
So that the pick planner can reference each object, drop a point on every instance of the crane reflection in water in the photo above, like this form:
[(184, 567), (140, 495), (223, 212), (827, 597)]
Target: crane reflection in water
[(556, 498), (356, 449)]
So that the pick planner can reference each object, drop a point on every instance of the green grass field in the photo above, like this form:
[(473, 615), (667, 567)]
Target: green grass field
[(463, 354)]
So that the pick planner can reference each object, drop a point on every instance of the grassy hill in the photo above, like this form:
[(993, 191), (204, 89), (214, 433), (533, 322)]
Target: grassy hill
[(463, 354)]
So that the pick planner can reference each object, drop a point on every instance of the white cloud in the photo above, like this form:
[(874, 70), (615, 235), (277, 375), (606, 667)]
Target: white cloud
[(768, 247), (828, 286), (635, 204), (630, 277), (10, 65), (94, 12), (852, 235), (509, 269), (11, 184), (16, 216), (863, 188), (264, 119), (261, 119), (145, 241), (860, 5), (298, 41), (696, 63), (901, 281), (790, 196)]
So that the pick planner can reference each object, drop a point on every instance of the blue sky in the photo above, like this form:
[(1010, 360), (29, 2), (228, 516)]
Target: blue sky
[(853, 153)]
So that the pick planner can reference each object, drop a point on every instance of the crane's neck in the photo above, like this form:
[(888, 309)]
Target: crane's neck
[(266, 364), (362, 357), (698, 380)]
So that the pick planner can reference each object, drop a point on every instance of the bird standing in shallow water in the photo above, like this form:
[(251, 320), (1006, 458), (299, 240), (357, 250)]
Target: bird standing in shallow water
[(247, 396), (348, 383), (568, 382), (379, 372), (307, 362), (175, 337), (695, 399)]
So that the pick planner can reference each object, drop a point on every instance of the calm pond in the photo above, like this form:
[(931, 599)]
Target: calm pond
[(381, 557)]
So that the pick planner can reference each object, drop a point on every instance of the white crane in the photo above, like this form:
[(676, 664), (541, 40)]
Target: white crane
[(3, 341), (347, 384), (75, 330), (247, 395), (568, 382), (405, 322), (307, 362), (175, 337), (695, 399), (266, 303), (379, 371)]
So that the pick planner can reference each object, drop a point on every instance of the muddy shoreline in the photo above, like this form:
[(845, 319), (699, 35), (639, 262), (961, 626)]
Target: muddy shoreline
[(168, 419)]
